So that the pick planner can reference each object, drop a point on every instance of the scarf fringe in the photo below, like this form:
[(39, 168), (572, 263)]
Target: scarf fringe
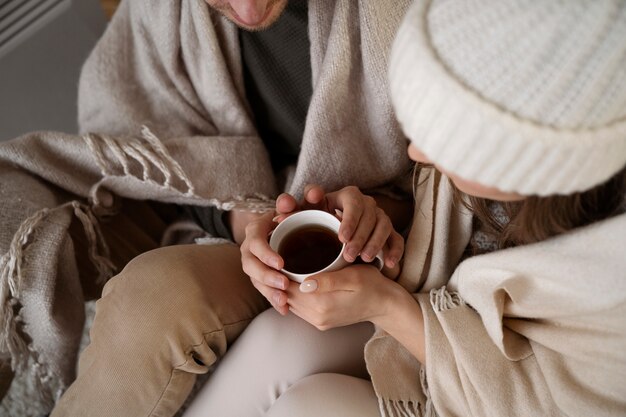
[(12, 343), (429, 407), (399, 408), (442, 300)]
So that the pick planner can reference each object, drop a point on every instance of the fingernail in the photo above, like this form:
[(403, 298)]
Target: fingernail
[(275, 219), (367, 257), (339, 214), (308, 286), (352, 253)]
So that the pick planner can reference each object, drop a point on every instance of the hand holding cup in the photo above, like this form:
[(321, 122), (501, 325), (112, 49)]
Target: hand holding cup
[(365, 229)]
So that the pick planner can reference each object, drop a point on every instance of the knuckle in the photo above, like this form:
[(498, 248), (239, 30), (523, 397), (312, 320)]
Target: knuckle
[(358, 241), (255, 247), (267, 260), (326, 284), (257, 285), (321, 323), (249, 229), (382, 216), (266, 278), (352, 276)]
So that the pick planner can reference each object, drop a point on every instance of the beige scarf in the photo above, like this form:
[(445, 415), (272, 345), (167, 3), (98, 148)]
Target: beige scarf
[(538, 330), (163, 117)]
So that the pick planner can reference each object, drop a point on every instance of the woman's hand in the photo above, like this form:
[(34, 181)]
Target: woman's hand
[(351, 295), (365, 228), (360, 293)]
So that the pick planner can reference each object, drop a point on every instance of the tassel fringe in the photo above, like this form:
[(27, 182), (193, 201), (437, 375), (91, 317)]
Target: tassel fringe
[(398, 408), (442, 300), (429, 407), (23, 355), (151, 155)]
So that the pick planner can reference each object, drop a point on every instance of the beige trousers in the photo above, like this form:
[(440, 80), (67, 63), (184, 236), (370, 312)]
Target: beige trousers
[(284, 367), (165, 318)]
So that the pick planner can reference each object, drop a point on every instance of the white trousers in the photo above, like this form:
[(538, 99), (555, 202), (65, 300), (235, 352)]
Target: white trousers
[(284, 367)]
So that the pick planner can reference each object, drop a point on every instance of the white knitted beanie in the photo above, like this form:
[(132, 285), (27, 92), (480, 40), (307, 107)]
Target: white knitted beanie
[(526, 96)]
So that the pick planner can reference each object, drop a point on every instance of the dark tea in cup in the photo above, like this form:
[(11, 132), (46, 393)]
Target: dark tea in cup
[(309, 249)]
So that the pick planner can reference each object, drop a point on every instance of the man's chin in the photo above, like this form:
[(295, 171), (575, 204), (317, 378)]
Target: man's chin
[(273, 13)]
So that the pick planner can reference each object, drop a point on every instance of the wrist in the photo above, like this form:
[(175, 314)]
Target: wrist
[(392, 306), (402, 319)]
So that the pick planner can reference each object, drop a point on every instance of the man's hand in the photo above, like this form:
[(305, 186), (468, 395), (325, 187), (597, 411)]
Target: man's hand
[(238, 220), (365, 228), (262, 264)]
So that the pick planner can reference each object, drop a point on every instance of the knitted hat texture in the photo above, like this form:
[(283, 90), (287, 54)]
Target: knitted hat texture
[(527, 96)]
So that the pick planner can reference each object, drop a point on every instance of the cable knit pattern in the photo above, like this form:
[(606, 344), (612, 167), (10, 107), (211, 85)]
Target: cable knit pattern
[(523, 96), (514, 53)]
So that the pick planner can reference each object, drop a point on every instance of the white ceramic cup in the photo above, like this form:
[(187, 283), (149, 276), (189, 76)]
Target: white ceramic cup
[(313, 218)]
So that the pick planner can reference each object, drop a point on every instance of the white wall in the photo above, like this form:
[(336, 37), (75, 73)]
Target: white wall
[(43, 44)]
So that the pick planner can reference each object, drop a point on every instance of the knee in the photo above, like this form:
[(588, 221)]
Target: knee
[(328, 395), (290, 341), (174, 274), (163, 293)]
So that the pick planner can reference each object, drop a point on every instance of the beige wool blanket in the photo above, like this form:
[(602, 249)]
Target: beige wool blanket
[(536, 330), (163, 116)]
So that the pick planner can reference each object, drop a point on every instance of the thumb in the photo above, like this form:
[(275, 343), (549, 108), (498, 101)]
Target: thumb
[(320, 283)]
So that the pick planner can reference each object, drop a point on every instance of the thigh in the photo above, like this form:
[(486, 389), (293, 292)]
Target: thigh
[(166, 317), (274, 353), (182, 291), (327, 395)]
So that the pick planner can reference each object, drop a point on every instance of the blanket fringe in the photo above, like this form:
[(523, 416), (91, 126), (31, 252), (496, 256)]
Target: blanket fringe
[(157, 145), (12, 343), (149, 154), (10, 275), (99, 253)]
